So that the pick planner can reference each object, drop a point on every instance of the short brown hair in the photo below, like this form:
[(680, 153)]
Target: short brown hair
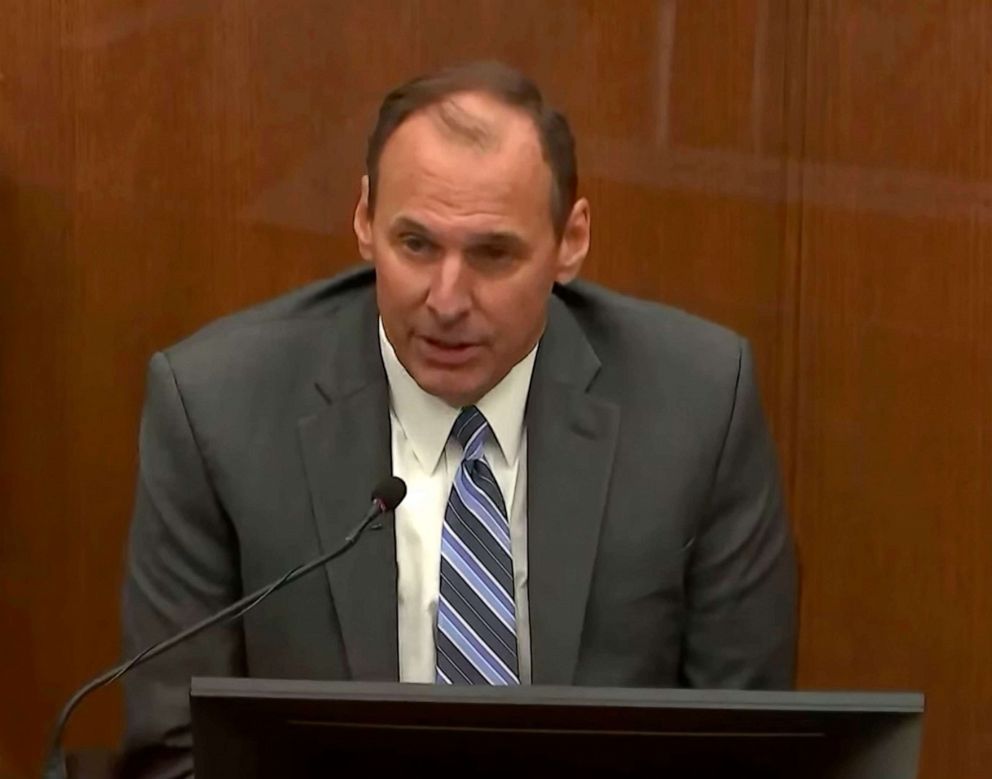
[(504, 83)]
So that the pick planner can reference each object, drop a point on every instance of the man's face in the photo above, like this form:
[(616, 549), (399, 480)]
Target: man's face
[(463, 245)]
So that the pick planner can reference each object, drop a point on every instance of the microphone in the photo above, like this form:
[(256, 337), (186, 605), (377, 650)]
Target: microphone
[(386, 496)]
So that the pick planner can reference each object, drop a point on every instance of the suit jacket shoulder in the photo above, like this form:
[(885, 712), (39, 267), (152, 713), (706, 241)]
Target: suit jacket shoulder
[(278, 349), (649, 350), (299, 311)]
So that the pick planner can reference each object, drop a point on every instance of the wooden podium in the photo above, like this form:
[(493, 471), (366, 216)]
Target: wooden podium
[(249, 728)]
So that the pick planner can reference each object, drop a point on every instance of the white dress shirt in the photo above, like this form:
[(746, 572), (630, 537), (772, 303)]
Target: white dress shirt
[(425, 458)]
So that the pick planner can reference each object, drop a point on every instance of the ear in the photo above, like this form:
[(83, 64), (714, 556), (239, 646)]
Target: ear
[(363, 222), (574, 244)]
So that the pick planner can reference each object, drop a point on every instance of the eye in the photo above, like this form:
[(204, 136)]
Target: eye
[(415, 244), (491, 253)]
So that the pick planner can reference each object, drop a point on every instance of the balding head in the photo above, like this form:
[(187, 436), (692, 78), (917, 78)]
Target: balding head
[(507, 85)]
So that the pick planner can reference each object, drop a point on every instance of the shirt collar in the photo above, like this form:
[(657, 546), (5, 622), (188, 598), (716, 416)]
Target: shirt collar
[(427, 420)]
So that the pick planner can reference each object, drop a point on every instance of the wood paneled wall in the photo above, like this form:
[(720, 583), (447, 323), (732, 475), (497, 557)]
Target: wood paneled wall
[(893, 488), (814, 173)]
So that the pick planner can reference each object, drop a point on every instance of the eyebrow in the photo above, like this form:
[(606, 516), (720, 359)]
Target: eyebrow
[(508, 240), (404, 223), (505, 238)]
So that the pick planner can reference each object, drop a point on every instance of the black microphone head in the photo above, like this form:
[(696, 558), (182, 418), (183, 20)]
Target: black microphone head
[(389, 493)]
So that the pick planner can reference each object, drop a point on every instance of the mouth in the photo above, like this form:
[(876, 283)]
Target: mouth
[(448, 353)]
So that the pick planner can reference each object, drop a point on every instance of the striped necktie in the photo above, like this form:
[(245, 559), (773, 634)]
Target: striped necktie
[(476, 637)]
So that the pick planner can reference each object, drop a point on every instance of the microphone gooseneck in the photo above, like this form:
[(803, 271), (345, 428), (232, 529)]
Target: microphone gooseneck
[(386, 496)]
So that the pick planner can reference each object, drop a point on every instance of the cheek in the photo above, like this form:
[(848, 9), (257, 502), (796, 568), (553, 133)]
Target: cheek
[(517, 311), (399, 286)]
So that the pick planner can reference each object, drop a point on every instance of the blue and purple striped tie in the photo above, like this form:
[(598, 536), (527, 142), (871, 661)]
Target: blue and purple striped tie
[(476, 619)]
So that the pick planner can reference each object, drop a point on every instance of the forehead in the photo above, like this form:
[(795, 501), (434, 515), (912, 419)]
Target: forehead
[(469, 155)]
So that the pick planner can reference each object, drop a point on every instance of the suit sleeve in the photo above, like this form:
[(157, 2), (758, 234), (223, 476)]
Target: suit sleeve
[(182, 564), (741, 580)]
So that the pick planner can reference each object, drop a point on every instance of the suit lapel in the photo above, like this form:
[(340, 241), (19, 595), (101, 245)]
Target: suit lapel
[(346, 450), (571, 439)]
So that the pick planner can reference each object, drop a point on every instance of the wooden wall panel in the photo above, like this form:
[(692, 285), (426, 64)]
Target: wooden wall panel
[(34, 289), (893, 495), (812, 173)]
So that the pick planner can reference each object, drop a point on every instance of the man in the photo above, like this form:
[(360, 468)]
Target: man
[(593, 494)]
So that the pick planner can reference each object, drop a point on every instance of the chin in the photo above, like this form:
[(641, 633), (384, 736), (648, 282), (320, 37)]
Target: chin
[(454, 393)]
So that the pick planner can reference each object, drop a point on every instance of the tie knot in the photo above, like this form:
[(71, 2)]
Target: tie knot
[(470, 431)]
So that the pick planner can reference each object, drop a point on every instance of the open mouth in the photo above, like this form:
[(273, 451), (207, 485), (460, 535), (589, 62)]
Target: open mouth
[(448, 352)]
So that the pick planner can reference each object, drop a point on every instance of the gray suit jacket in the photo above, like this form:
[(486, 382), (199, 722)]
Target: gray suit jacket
[(659, 551)]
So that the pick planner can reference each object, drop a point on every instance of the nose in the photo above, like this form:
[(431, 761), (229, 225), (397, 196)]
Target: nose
[(449, 298)]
